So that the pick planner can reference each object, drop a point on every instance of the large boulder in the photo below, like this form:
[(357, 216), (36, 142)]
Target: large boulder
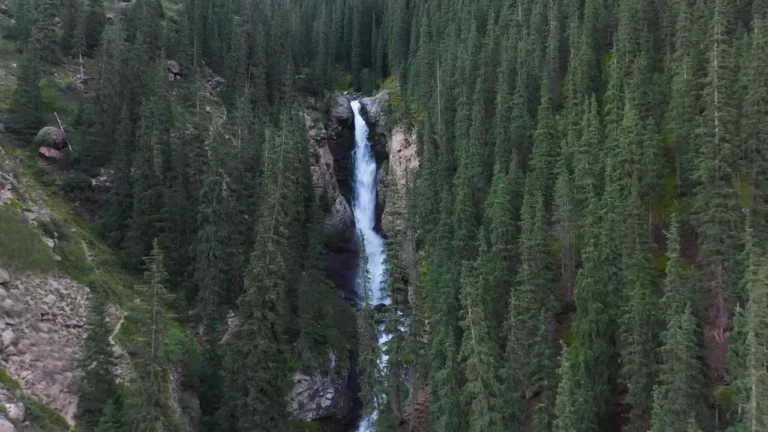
[(316, 396), (49, 155), (53, 137), (174, 70), (375, 112), (15, 410), (341, 112), (340, 219), (5, 277), (6, 426), (213, 82)]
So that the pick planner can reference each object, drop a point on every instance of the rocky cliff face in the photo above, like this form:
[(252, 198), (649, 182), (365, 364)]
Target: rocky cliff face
[(42, 320), (328, 396), (323, 395), (330, 147)]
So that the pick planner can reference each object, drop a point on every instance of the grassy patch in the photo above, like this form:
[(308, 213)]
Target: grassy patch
[(85, 258), (7, 382), (343, 82), (20, 245), (60, 96), (302, 426), (43, 418)]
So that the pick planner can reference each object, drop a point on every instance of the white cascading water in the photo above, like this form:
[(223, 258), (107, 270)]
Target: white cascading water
[(364, 203), (364, 210)]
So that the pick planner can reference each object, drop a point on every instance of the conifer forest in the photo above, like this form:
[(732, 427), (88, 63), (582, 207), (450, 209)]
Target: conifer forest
[(577, 240)]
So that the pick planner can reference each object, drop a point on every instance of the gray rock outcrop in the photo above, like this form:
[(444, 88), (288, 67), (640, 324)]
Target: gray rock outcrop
[(49, 154), (6, 426), (15, 410), (5, 277), (317, 396), (43, 327), (53, 137), (401, 164), (341, 112), (375, 112), (330, 149)]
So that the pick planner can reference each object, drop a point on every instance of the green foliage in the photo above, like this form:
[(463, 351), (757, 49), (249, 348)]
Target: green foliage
[(98, 387), (43, 417), (20, 245), (182, 348), (147, 404), (7, 382), (26, 104), (555, 141)]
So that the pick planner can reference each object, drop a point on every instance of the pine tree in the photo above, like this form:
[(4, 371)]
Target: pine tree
[(498, 249), (119, 202), (149, 395), (255, 366), (682, 111), (565, 405), (586, 166), (594, 324), (443, 295), (676, 397), (756, 415), (310, 290), (754, 133), (563, 221), (212, 259), (638, 328), (111, 420), (95, 21), (151, 164), (545, 149), (26, 104), (675, 294), (104, 106), (70, 17), (482, 392), (97, 387), (527, 362), (43, 35), (716, 207), (24, 14)]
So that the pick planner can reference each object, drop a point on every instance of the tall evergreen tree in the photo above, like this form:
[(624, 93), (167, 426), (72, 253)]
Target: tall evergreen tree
[(97, 387), (755, 416), (255, 366), (26, 104), (677, 396), (95, 21), (212, 259), (482, 392), (716, 201), (149, 395), (43, 35)]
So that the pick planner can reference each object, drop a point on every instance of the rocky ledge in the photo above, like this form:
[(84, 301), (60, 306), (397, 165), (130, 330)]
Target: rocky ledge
[(42, 322)]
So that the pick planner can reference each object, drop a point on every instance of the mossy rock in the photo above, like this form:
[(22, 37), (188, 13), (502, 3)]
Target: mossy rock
[(51, 136)]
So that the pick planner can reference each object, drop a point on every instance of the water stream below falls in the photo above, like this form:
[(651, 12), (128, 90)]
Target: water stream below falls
[(364, 210)]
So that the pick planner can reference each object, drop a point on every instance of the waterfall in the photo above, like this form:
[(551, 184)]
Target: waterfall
[(364, 210), (364, 204)]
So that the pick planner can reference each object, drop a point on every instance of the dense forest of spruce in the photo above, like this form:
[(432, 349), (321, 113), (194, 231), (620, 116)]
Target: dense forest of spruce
[(589, 208)]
